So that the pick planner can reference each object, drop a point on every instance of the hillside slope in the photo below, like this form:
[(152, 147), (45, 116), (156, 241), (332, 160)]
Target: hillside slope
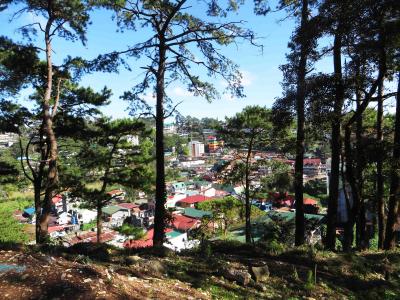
[(223, 271)]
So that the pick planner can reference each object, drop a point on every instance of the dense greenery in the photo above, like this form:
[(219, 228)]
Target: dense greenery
[(11, 231), (135, 233)]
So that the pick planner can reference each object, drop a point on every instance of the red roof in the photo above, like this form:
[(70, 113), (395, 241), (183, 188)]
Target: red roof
[(128, 205), (309, 201), (91, 237), (312, 161), (56, 199), (184, 223), (51, 229), (146, 242), (195, 199)]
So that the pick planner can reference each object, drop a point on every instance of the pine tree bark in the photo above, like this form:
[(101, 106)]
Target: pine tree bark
[(99, 220), (247, 193), (359, 167), (379, 139), (393, 206), (52, 174), (379, 169), (300, 99), (335, 143), (160, 212)]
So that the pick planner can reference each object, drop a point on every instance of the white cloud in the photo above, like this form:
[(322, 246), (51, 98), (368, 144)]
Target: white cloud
[(180, 92), (34, 18), (228, 97), (149, 98), (247, 78)]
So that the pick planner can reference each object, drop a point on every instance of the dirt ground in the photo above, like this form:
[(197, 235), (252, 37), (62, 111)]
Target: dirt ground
[(41, 276)]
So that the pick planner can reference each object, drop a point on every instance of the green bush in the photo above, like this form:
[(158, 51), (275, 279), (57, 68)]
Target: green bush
[(88, 226), (309, 285), (11, 231), (315, 187), (136, 232)]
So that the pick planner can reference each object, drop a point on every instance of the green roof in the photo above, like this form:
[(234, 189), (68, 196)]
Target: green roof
[(287, 216), (173, 234), (257, 232), (179, 185), (112, 209), (196, 213)]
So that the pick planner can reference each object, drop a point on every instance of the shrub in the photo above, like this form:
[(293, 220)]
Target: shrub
[(309, 285), (136, 232)]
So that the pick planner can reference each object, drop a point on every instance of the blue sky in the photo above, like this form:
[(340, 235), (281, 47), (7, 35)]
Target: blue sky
[(261, 74)]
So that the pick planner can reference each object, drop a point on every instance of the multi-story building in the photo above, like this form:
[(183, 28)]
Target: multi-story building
[(8, 139), (170, 128), (213, 144), (196, 149)]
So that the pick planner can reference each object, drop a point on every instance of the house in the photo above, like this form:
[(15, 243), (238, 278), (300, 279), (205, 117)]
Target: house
[(56, 231), (117, 195), (190, 201), (85, 216), (202, 185), (29, 212), (196, 213), (170, 128), (282, 199), (310, 206), (175, 240), (210, 192), (91, 237), (184, 223), (59, 203), (196, 149), (7, 139), (178, 188), (63, 218), (178, 241), (115, 214), (213, 144), (192, 163), (133, 207), (173, 199), (312, 167), (147, 241)]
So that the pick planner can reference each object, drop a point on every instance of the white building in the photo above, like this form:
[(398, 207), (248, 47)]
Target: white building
[(196, 149), (178, 241), (133, 139), (170, 128), (8, 139), (192, 163)]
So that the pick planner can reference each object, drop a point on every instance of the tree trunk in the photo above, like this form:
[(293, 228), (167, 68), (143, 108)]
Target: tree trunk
[(300, 99), (38, 208), (348, 227), (393, 205), (353, 213), (247, 192), (52, 174), (99, 219), (379, 159), (335, 144), (160, 213), (359, 163)]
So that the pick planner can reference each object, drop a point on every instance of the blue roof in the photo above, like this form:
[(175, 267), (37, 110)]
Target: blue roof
[(29, 211)]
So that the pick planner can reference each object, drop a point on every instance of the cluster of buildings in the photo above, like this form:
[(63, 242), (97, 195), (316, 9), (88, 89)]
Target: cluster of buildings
[(73, 222), (8, 139)]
